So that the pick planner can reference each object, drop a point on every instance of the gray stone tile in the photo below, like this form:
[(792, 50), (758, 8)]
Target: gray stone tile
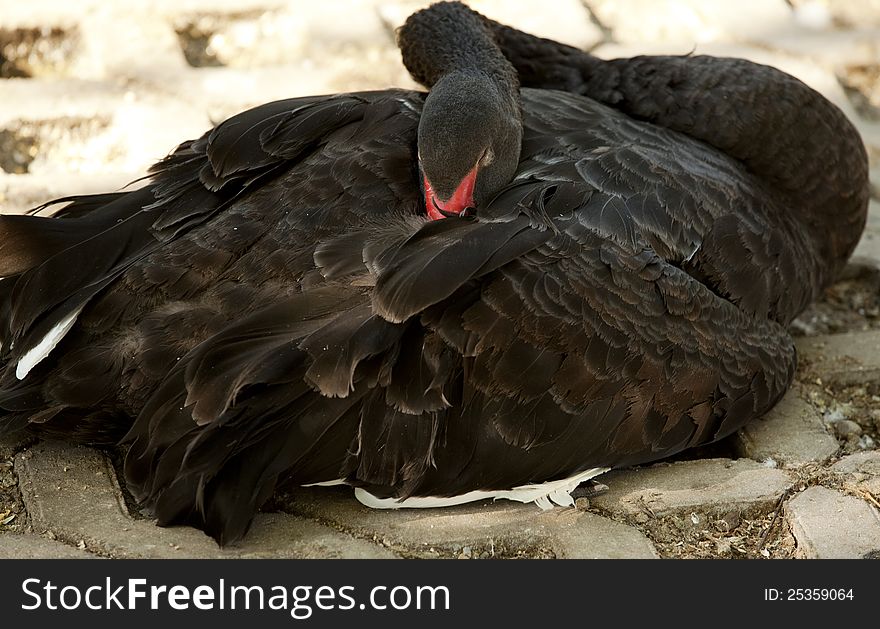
[(830, 525), (861, 462), (869, 245), (589, 536), (707, 485), (845, 13), (72, 493), (843, 359), (692, 21), (34, 547), (791, 434)]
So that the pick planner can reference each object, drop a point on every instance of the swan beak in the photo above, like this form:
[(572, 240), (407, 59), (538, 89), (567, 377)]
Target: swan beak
[(461, 199)]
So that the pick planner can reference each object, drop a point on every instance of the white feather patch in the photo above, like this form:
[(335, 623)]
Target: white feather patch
[(37, 353), (542, 494), (326, 483)]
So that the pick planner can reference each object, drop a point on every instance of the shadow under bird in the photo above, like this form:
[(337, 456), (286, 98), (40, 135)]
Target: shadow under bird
[(547, 266)]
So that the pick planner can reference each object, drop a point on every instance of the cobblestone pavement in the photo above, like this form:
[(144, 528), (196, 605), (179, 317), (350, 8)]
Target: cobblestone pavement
[(92, 92)]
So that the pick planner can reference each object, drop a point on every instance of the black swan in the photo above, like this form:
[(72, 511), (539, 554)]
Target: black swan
[(621, 245)]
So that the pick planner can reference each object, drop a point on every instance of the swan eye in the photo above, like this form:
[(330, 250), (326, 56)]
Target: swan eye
[(487, 157)]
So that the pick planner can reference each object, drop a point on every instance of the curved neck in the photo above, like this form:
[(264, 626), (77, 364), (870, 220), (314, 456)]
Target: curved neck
[(449, 37)]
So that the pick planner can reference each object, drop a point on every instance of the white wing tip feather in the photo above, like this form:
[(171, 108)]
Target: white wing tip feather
[(326, 483), (42, 349)]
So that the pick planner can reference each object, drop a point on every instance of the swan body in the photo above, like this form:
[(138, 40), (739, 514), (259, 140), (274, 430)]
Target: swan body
[(276, 305)]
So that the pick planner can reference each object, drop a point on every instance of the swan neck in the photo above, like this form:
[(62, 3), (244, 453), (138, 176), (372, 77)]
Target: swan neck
[(449, 38)]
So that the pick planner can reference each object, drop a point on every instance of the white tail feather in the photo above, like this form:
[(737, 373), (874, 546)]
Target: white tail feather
[(542, 494)]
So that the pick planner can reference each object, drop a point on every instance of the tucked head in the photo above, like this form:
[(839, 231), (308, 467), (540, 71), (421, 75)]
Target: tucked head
[(469, 142)]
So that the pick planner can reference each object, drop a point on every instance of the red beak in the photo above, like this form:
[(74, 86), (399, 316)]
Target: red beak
[(462, 198)]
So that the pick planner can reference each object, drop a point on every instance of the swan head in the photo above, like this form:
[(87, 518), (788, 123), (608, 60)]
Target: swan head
[(469, 140)]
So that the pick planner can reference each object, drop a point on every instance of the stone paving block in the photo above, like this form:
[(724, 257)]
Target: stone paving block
[(590, 536), (869, 245), (35, 547), (52, 99), (499, 528), (636, 21), (870, 132), (685, 486), (104, 40), (72, 493), (842, 359), (37, 12), (830, 525), (321, 33), (20, 193), (859, 463), (132, 43), (862, 475), (824, 44), (836, 48), (284, 536), (846, 13), (103, 130), (344, 22), (176, 7), (791, 434)]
